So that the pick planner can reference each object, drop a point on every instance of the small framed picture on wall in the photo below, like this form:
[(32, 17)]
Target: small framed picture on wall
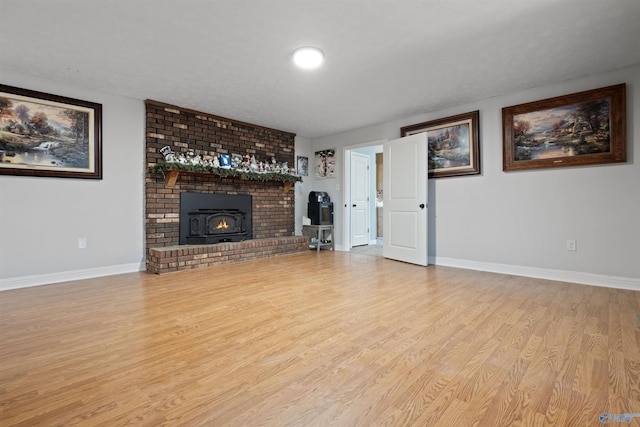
[(325, 163), (302, 165)]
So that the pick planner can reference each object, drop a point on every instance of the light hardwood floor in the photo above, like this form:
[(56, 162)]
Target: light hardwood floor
[(329, 339)]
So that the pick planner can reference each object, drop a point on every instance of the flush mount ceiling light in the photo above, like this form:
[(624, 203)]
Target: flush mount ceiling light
[(308, 57)]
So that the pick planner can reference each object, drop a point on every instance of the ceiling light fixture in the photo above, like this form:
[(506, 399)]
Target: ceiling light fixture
[(308, 57)]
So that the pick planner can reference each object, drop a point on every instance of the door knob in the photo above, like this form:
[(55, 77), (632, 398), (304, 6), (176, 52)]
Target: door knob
[(354, 205), (421, 205)]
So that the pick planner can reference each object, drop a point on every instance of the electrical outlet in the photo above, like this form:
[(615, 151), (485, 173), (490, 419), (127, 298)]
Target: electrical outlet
[(572, 245), (82, 243)]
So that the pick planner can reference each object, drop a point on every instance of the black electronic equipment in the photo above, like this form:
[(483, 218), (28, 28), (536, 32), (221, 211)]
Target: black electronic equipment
[(320, 208)]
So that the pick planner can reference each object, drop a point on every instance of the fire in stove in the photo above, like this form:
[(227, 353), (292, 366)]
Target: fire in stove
[(214, 218), (216, 225)]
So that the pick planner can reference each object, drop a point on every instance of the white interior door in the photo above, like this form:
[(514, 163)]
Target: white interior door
[(405, 199), (360, 203)]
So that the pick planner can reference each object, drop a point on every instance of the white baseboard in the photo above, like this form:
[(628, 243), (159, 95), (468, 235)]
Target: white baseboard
[(516, 270), (66, 276), (542, 273), (538, 273)]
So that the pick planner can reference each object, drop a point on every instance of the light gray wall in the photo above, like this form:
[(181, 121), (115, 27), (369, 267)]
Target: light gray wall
[(517, 218), (42, 218), (524, 218), (302, 148)]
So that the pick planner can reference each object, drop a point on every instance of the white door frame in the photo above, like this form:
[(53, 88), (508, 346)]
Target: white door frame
[(346, 185)]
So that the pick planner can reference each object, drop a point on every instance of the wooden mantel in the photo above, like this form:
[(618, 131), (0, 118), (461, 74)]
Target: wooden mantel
[(172, 171)]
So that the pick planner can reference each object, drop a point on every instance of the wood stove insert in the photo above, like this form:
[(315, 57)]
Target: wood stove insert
[(207, 226), (214, 218)]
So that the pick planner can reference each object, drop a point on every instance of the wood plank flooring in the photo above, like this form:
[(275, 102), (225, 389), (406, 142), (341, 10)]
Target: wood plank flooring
[(329, 339)]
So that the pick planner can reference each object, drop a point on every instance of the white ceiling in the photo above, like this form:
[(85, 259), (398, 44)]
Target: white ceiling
[(384, 59)]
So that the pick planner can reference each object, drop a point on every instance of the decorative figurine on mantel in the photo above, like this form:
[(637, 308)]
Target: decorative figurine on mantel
[(253, 167), (182, 159), (193, 160), (246, 161), (207, 160), (169, 155)]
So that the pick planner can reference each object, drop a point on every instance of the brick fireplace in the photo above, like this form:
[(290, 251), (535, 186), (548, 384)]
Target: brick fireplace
[(273, 203)]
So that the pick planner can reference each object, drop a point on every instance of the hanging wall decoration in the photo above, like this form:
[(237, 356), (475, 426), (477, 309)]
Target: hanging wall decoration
[(585, 128), (326, 163), (302, 165), (49, 135), (453, 144)]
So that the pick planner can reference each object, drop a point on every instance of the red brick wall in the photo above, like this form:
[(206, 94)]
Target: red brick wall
[(205, 134)]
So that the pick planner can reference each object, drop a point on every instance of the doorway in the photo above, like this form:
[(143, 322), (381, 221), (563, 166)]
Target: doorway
[(404, 202), (363, 227), (360, 199)]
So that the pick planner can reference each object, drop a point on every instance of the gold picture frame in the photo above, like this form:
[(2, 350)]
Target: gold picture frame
[(453, 144), (49, 135), (584, 128)]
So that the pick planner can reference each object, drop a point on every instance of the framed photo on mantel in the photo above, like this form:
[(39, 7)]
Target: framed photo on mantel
[(49, 135), (585, 128)]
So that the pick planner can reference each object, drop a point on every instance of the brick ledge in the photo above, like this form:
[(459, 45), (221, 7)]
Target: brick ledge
[(186, 257)]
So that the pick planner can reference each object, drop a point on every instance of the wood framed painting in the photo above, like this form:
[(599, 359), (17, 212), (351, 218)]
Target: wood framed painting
[(453, 144), (325, 163), (49, 135), (585, 128)]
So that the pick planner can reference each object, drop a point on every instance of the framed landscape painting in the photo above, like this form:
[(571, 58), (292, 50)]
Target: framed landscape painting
[(49, 135), (453, 144), (585, 128)]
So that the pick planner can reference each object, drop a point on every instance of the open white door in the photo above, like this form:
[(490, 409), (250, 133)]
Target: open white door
[(405, 199), (360, 204)]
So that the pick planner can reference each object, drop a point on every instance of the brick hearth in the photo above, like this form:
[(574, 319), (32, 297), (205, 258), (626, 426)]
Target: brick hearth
[(184, 257), (273, 203)]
